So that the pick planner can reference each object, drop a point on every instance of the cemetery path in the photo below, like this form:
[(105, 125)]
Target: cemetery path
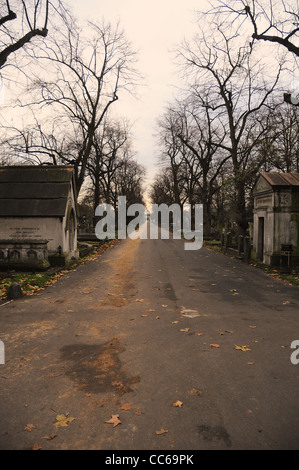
[(191, 349)]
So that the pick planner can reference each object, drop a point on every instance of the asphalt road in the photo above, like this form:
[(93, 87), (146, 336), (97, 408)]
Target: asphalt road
[(142, 328)]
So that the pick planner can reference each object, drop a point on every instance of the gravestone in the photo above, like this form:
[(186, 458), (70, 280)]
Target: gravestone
[(15, 292)]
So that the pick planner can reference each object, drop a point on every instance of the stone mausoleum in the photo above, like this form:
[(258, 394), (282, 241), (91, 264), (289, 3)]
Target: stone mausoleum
[(38, 216), (276, 218)]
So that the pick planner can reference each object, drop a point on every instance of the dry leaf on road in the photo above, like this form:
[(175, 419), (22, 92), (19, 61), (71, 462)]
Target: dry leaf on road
[(37, 446), (125, 406), (29, 427), (114, 420), (178, 403), (63, 421), (162, 431), (242, 348), (51, 437)]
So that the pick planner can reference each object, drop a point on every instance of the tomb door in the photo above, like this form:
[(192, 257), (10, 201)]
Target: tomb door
[(261, 234)]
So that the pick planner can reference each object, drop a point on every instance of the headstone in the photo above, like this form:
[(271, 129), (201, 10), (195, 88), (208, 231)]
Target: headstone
[(15, 292)]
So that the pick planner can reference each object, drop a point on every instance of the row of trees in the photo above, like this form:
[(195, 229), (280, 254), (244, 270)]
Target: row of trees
[(231, 122), (227, 125), (68, 85)]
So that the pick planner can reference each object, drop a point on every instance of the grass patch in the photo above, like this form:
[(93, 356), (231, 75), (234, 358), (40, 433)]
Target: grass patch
[(31, 283), (214, 245), (291, 278)]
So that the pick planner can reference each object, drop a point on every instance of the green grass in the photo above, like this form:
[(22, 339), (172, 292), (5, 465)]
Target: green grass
[(31, 283), (214, 245), (292, 278)]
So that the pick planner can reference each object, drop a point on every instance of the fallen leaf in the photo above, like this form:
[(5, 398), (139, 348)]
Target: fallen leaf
[(125, 407), (215, 345), (195, 392), (139, 300), (162, 431), (174, 322), (178, 404), (250, 363), (114, 420), (199, 334), (151, 310), (185, 329), (29, 427), (242, 348), (52, 436), (63, 421), (285, 303), (252, 326), (164, 306), (144, 315), (37, 446)]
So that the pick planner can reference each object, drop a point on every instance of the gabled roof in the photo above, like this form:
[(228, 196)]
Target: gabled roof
[(35, 191), (282, 179)]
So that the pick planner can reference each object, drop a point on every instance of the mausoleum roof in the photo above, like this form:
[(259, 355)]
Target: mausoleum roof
[(35, 191), (282, 179)]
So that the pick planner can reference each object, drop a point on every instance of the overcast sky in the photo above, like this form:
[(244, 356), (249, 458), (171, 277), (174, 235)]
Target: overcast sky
[(155, 28)]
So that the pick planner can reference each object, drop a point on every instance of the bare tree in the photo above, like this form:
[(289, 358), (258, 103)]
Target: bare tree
[(129, 181), (162, 189), (31, 19), (172, 151), (201, 137), (280, 145), (237, 93), (111, 147), (86, 70), (274, 21)]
